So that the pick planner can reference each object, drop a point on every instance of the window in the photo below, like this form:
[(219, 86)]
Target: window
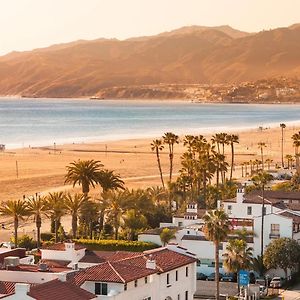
[(176, 276), (186, 271), (178, 297), (179, 224), (198, 263), (229, 209), (100, 288), (168, 278), (265, 211), (186, 295), (135, 283), (147, 298), (125, 286), (146, 280), (275, 229), (188, 232), (249, 210)]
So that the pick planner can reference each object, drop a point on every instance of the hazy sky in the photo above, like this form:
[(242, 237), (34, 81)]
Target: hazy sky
[(28, 24)]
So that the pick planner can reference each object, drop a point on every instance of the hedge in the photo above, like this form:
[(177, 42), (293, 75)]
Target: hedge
[(116, 245)]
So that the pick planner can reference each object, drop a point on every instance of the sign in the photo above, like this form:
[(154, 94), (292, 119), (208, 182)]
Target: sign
[(244, 278)]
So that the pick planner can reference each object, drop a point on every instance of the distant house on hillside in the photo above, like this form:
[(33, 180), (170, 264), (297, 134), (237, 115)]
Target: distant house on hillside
[(2, 147)]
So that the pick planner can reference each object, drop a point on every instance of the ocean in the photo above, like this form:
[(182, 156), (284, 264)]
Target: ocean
[(41, 122)]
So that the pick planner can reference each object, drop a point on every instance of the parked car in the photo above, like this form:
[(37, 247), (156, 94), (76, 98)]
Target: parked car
[(212, 277), (201, 276), (276, 282), (229, 277), (261, 282)]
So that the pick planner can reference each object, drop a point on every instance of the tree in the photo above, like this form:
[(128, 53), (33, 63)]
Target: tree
[(296, 144), (88, 216), (260, 181), (237, 256), (73, 205), (166, 235), (216, 228), (84, 172), (16, 210), (56, 209), (289, 159), (282, 126), (282, 253), (134, 221), (170, 139), (261, 146), (157, 146), (110, 181), (232, 139), (258, 265), (37, 207)]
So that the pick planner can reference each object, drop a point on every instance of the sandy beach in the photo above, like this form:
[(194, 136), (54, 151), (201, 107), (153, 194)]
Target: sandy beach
[(43, 169)]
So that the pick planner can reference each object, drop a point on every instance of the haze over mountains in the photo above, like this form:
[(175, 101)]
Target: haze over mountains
[(194, 54)]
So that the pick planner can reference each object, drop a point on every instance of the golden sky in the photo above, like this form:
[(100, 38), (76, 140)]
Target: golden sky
[(28, 24)]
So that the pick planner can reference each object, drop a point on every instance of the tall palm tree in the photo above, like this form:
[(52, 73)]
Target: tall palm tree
[(282, 126), (261, 146), (56, 209), (232, 139), (237, 256), (73, 205), (296, 144), (171, 139), (36, 206), (289, 159), (110, 181), (216, 228), (157, 146), (89, 216), (84, 172), (16, 210), (260, 181)]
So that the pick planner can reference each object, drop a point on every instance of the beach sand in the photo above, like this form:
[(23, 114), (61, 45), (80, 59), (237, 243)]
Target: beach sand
[(43, 169)]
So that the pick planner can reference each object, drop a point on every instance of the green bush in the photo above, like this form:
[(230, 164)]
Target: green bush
[(47, 236), (115, 245), (25, 241)]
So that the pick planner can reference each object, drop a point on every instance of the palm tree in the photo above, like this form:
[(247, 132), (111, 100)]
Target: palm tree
[(232, 139), (237, 256), (216, 228), (157, 145), (261, 180), (166, 235), (84, 172), (282, 126), (89, 215), (170, 139), (134, 221), (296, 144), (73, 205), (261, 146), (36, 206), (110, 181), (258, 265), (289, 159), (56, 209), (17, 210), (269, 161)]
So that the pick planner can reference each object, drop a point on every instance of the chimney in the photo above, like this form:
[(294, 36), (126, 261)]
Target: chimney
[(62, 277), (240, 195), (21, 290), (150, 263)]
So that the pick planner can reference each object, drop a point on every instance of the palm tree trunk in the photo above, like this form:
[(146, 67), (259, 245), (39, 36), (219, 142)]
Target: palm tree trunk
[(159, 168), (16, 225), (38, 231), (56, 230), (262, 221), (262, 158), (217, 270), (242, 171), (74, 226), (171, 165), (232, 160), (282, 161)]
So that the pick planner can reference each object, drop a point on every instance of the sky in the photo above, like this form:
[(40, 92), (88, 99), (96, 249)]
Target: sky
[(29, 24)]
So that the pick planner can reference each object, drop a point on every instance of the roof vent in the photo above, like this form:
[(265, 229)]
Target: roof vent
[(11, 261), (150, 263)]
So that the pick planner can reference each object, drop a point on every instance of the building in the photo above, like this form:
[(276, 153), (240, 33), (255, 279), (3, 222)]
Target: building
[(162, 273)]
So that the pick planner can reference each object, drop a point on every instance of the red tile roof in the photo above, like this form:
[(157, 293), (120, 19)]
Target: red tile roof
[(51, 263), (61, 247), (7, 287), (19, 252), (103, 256), (35, 268), (58, 290), (123, 267)]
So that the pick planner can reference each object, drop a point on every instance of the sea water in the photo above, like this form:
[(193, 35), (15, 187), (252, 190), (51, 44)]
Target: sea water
[(41, 122)]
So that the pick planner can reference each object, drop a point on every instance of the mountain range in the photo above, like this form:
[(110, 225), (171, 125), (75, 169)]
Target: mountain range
[(194, 54)]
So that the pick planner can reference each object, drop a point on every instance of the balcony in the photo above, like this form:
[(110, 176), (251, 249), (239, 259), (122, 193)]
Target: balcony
[(274, 235)]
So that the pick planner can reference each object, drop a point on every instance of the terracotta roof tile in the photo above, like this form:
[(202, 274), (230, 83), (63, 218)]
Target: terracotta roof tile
[(61, 247), (58, 290)]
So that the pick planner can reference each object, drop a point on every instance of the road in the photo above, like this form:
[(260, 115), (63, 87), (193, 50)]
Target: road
[(293, 294)]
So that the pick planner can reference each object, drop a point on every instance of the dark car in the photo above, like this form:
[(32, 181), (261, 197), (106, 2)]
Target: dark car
[(212, 277), (229, 277), (201, 276)]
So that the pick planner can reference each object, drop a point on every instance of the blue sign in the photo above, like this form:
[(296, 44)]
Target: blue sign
[(244, 278)]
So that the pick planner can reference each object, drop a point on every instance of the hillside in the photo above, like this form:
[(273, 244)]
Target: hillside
[(185, 56)]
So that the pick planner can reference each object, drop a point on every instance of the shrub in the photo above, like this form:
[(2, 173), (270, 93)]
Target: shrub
[(26, 242), (47, 236), (115, 245)]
